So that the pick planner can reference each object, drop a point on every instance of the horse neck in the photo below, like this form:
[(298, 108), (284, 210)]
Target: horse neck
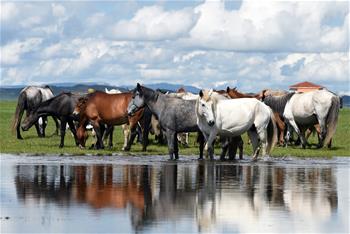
[(45, 108), (153, 102)]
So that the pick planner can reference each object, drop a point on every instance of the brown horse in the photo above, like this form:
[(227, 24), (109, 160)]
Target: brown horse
[(233, 93), (100, 108)]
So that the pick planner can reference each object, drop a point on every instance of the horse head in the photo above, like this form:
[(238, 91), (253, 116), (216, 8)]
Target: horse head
[(30, 120), (137, 101), (205, 106)]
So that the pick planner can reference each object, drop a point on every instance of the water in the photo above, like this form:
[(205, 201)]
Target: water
[(151, 194)]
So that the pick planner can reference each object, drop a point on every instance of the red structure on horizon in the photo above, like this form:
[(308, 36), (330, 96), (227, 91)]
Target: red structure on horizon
[(305, 87)]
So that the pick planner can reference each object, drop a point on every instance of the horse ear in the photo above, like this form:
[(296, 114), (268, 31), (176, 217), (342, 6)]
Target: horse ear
[(139, 88), (228, 89), (201, 93), (234, 88)]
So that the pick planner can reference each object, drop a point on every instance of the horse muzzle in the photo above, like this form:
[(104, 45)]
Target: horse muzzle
[(211, 123), (24, 128)]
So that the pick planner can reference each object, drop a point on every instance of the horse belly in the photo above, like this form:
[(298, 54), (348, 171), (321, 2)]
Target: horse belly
[(306, 120)]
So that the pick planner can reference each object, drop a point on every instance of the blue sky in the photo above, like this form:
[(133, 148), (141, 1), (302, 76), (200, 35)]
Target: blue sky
[(209, 44)]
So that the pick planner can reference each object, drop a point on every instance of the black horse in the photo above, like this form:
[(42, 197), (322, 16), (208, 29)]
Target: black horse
[(61, 107), (175, 115), (29, 99)]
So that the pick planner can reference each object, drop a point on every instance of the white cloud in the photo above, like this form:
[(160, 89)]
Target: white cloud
[(12, 52), (8, 11), (154, 23), (273, 26), (58, 10)]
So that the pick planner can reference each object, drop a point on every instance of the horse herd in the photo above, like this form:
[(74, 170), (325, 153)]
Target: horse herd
[(213, 114)]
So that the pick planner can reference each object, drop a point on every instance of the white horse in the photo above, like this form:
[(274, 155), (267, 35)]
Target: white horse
[(302, 110), (112, 91), (233, 117)]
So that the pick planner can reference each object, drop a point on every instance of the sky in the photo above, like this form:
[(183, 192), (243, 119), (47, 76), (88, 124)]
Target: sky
[(252, 45)]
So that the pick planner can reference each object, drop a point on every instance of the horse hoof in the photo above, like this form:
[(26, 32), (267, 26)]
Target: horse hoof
[(81, 147), (20, 138), (60, 146), (200, 158)]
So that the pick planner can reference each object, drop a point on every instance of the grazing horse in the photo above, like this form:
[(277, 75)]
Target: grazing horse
[(100, 108), (61, 107), (174, 114), (302, 110), (233, 117), (29, 98)]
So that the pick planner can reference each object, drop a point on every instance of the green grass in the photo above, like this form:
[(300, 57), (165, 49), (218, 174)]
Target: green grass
[(49, 145)]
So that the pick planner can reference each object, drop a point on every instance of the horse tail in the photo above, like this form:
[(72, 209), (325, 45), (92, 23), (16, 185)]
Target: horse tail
[(271, 133), (21, 105), (332, 119)]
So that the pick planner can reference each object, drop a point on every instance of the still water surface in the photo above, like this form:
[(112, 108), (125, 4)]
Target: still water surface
[(151, 194)]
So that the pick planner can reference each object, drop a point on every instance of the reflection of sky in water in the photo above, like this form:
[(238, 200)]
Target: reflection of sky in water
[(184, 197)]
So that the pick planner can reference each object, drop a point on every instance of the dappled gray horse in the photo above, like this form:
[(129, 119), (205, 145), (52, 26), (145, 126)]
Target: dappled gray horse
[(302, 110), (28, 100), (175, 115)]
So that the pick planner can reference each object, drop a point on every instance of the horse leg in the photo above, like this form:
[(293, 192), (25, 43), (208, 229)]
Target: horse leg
[(323, 131), (296, 129), (235, 143), (109, 132), (37, 127), (73, 130), (170, 139), (145, 134), (133, 134), (240, 146), (281, 127), (57, 124), (225, 142), (126, 133), (209, 146), (176, 147), (254, 139), (200, 139), (99, 133), (63, 131), (263, 140)]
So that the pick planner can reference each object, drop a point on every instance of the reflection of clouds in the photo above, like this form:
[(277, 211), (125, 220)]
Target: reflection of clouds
[(206, 197)]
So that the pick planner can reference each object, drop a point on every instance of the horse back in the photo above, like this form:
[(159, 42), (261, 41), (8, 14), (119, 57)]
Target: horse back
[(109, 108)]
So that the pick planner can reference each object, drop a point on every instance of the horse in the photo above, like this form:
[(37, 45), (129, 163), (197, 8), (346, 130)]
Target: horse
[(175, 115), (233, 93), (233, 117), (61, 107), (112, 91), (29, 98), (100, 108), (303, 110)]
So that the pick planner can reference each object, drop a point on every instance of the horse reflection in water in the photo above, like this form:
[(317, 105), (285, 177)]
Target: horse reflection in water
[(212, 194)]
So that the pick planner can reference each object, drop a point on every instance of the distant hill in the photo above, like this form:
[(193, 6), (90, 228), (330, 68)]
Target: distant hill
[(12, 92), (346, 101)]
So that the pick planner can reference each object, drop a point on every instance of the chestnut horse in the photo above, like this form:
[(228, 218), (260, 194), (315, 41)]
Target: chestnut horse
[(100, 108)]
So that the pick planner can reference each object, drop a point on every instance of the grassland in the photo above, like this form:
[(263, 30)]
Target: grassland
[(49, 145)]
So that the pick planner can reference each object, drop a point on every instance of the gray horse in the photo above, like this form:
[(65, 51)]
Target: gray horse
[(29, 99), (175, 115)]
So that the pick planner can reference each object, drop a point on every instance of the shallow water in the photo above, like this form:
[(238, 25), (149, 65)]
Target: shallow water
[(152, 194)]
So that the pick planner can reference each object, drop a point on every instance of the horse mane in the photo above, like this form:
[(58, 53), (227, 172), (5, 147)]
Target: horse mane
[(82, 102), (278, 103)]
